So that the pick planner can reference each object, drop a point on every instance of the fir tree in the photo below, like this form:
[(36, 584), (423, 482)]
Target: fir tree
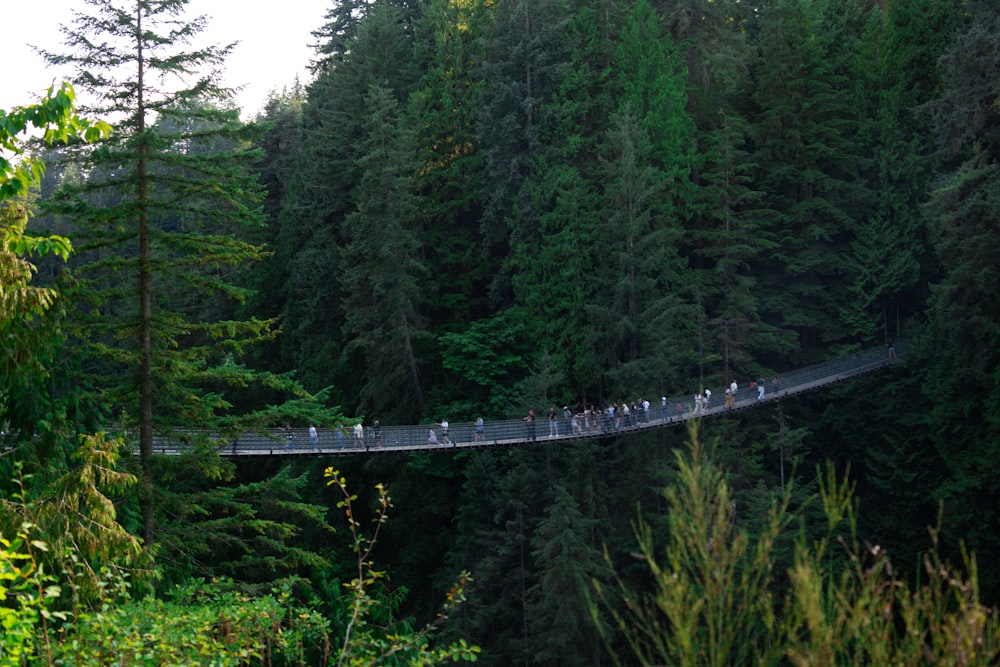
[(160, 217), (381, 270)]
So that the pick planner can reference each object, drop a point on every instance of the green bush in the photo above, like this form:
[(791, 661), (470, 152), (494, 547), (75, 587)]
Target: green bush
[(26, 596), (718, 597), (203, 623)]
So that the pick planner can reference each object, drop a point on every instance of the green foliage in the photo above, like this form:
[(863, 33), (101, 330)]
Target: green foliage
[(74, 513), (959, 345), (201, 623), (382, 269), (252, 531), (443, 112), (363, 641), (27, 344), (161, 213), (718, 597), (212, 622), (486, 358), (28, 595), (55, 115), (567, 563)]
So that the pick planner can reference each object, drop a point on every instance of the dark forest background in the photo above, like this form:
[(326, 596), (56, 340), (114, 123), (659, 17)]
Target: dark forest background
[(480, 207)]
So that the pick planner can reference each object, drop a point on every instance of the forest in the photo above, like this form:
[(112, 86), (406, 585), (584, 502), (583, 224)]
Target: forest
[(477, 208)]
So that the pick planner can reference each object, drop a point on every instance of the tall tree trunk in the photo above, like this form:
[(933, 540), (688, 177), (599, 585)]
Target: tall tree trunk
[(145, 308)]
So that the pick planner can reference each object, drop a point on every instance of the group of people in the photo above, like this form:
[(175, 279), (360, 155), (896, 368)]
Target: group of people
[(583, 420), (339, 435), (432, 438), (588, 419)]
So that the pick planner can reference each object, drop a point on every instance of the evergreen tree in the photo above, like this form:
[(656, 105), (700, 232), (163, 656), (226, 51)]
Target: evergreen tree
[(722, 239), (567, 565), (653, 80), (381, 270), (889, 240), (444, 113), (644, 328), (280, 145), (961, 344), (554, 280), (335, 35), (729, 248), (323, 191), (649, 299), (526, 53), (810, 164), (160, 218)]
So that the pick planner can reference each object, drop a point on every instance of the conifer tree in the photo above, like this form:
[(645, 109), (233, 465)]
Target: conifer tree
[(159, 217), (381, 269), (554, 282), (323, 192), (526, 53), (646, 326), (444, 110), (810, 165), (567, 566), (962, 341)]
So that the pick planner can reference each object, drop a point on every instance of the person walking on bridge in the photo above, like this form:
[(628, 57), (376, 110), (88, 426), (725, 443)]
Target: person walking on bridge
[(313, 438), (359, 435), (530, 422)]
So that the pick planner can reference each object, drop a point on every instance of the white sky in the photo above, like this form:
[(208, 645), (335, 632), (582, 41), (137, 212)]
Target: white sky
[(274, 39)]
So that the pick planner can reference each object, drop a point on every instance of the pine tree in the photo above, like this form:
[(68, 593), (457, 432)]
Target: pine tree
[(567, 565), (648, 159), (554, 282), (444, 112), (160, 218), (526, 53), (961, 343), (323, 191), (381, 269), (810, 164), (646, 328)]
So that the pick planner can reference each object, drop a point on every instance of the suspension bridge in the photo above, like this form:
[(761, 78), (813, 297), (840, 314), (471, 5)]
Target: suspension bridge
[(663, 412)]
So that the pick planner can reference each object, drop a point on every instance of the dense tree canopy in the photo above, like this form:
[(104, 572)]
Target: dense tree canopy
[(478, 208)]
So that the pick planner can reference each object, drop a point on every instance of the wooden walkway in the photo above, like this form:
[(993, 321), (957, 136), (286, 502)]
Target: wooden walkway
[(674, 411)]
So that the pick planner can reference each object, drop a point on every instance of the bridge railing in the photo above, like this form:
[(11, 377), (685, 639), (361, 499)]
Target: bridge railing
[(677, 409)]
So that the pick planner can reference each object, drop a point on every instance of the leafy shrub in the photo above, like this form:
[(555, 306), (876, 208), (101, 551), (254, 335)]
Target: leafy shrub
[(716, 596)]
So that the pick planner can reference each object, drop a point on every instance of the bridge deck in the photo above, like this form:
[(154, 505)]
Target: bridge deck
[(679, 409)]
